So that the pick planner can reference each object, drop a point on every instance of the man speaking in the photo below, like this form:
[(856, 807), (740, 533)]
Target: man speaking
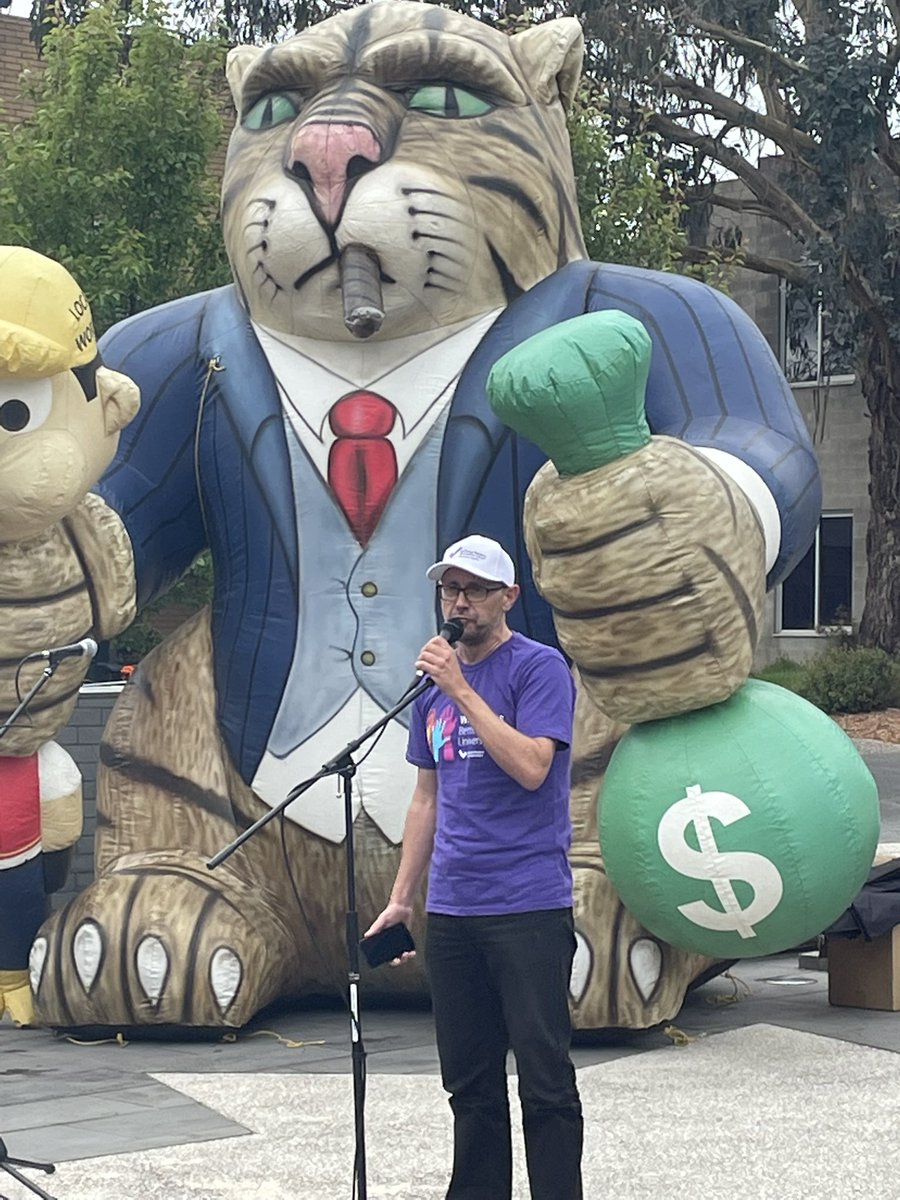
[(489, 818)]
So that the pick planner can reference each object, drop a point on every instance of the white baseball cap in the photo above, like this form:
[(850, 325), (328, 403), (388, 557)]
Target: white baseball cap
[(478, 555)]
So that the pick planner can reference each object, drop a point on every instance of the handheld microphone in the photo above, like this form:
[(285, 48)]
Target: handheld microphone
[(86, 648), (451, 631)]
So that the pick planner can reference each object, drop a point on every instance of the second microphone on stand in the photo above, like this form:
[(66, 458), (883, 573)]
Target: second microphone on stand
[(86, 648)]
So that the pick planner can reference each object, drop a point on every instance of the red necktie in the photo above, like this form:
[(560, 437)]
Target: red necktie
[(362, 466)]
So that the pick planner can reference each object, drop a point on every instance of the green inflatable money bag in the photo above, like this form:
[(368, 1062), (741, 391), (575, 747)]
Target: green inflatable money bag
[(741, 829), (583, 410)]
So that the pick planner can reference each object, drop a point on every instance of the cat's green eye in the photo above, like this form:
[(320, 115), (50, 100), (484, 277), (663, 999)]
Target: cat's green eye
[(274, 109), (445, 100)]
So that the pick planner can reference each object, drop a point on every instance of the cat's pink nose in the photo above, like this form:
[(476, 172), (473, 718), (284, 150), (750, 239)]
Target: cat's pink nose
[(329, 154)]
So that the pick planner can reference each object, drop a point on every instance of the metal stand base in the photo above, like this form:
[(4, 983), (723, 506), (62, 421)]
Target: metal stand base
[(9, 1165)]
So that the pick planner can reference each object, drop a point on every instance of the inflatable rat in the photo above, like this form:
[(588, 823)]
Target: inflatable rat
[(60, 416)]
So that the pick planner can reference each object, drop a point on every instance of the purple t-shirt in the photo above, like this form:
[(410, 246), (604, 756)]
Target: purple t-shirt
[(498, 847)]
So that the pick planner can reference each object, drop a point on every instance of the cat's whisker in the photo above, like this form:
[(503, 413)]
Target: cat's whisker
[(268, 277)]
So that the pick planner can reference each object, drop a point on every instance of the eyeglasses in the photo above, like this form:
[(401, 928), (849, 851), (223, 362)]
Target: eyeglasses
[(474, 593)]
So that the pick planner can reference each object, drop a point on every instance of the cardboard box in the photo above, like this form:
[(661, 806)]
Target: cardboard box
[(865, 974)]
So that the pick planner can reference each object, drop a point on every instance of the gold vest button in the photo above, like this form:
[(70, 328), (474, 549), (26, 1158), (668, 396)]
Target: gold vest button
[(369, 589), (367, 658)]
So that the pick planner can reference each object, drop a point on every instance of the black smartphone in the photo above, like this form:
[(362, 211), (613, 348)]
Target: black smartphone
[(387, 944)]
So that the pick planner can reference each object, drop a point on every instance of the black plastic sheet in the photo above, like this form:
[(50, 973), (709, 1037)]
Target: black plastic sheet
[(876, 909)]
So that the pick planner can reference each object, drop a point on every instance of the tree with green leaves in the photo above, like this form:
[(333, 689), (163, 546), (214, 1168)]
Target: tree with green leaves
[(239, 21), (111, 175), (631, 206), (799, 101)]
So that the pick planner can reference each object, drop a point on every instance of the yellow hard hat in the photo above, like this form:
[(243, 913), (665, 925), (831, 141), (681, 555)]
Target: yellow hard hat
[(45, 321)]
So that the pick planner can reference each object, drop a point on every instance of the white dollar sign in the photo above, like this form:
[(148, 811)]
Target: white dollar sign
[(711, 864)]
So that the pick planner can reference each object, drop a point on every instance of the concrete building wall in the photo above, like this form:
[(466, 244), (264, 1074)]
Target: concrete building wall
[(835, 415)]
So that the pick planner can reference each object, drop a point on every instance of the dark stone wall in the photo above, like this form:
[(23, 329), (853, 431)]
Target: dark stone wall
[(81, 737)]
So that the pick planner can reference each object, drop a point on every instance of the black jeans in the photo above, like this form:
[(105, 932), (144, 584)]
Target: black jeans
[(500, 983)]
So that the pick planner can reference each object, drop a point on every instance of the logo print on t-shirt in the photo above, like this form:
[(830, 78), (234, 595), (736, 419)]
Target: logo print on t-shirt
[(468, 743), (438, 727)]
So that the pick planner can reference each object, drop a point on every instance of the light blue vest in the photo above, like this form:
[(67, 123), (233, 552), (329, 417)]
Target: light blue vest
[(365, 614)]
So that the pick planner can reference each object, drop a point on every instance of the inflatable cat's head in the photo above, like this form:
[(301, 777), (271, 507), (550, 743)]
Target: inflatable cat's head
[(399, 161)]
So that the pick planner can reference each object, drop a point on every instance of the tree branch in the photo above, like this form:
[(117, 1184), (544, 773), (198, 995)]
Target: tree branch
[(772, 97), (862, 292), (740, 205), (813, 18), (739, 114), (742, 42), (887, 148), (784, 268), (891, 58), (781, 206), (793, 272), (745, 205)]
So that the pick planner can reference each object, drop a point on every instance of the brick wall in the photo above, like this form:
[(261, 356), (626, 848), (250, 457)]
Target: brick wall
[(17, 54)]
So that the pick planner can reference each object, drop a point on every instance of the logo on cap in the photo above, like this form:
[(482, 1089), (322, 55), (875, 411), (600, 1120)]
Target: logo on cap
[(45, 320)]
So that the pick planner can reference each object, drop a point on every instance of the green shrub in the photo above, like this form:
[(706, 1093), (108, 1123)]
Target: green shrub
[(786, 673), (851, 680)]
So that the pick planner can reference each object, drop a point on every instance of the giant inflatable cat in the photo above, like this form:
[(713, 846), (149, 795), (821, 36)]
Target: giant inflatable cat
[(399, 211)]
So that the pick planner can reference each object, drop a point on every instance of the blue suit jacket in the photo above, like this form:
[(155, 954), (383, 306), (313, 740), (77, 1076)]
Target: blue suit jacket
[(205, 463)]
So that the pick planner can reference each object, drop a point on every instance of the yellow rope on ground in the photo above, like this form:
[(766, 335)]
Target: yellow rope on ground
[(231, 1036), (119, 1040), (735, 997), (678, 1036), (283, 1040)]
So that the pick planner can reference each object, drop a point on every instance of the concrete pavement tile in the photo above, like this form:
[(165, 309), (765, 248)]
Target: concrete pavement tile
[(747, 1110), (119, 1121), (121, 1102)]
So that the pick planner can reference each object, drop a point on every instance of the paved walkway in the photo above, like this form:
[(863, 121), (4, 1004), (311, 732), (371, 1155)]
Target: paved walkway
[(760, 1087)]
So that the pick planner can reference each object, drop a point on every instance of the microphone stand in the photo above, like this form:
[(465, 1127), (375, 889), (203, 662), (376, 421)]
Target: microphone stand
[(45, 675), (343, 765), (9, 1164)]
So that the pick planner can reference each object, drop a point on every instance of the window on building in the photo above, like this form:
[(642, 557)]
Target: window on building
[(816, 344), (818, 592)]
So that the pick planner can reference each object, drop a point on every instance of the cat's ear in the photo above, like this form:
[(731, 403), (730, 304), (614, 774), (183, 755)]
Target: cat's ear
[(550, 56), (237, 64)]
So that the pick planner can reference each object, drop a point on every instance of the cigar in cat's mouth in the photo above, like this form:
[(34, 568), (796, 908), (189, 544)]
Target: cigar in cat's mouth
[(361, 286)]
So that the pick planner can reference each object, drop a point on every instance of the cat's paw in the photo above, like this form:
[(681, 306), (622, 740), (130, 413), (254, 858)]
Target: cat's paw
[(161, 940), (622, 976)]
